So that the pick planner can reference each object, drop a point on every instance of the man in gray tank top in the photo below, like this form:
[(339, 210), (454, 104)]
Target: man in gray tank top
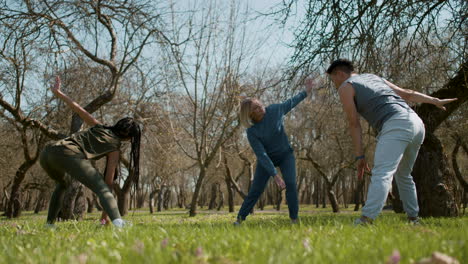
[(400, 134)]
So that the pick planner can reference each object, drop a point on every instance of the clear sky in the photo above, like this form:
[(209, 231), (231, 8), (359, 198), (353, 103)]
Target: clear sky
[(276, 49)]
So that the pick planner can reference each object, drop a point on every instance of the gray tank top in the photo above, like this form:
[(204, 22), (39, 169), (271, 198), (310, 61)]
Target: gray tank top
[(375, 100)]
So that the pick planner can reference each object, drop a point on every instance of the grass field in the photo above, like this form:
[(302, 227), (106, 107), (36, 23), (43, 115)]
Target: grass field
[(266, 237)]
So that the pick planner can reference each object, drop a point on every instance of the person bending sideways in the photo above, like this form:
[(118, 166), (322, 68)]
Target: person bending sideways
[(266, 135), (71, 158), (400, 134)]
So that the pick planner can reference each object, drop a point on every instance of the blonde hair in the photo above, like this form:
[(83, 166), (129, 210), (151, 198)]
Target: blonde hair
[(244, 114)]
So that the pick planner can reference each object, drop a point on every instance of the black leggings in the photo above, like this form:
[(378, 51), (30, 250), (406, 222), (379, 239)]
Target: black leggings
[(61, 164)]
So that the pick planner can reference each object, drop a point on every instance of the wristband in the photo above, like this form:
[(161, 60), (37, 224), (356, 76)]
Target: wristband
[(359, 157)]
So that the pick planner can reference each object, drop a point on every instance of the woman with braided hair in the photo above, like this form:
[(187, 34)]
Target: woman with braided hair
[(70, 158)]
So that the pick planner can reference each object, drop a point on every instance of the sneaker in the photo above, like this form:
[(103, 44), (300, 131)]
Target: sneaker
[(295, 221), (362, 221), (120, 223), (238, 222), (414, 220)]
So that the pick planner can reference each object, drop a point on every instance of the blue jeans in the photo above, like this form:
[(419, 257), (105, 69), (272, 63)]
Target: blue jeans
[(397, 148), (287, 164)]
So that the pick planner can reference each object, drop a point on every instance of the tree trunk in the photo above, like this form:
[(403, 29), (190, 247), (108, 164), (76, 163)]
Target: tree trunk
[(230, 191), (96, 202), (317, 192), (151, 200), (221, 199), (333, 200), (324, 195), (198, 185), (434, 181), (14, 209), (28, 199), (40, 202), (69, 200), (279, 199), (160, 199), (359, 194), (181, 197), (123, 201), (90, 204), (229, 185), (261, 203), (213, 196), (167, 198), (344, 189)]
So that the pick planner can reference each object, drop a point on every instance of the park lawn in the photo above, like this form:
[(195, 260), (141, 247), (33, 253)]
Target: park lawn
[(266, 237)]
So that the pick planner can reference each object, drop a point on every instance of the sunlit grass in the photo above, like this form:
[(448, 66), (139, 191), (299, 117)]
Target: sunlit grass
[(266, 237)]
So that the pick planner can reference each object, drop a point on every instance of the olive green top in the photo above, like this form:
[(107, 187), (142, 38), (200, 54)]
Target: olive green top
[(94, 142)]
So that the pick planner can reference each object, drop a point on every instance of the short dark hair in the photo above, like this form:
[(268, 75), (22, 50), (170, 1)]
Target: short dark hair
[(342, 65)]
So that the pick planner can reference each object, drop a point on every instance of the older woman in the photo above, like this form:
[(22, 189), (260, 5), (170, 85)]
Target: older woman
[(266, 135)]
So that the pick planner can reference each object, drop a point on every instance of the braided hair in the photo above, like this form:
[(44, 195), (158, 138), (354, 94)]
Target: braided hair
[(127, 128)]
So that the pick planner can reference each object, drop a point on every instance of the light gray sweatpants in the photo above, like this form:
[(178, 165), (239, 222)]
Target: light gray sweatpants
[(397, 148)]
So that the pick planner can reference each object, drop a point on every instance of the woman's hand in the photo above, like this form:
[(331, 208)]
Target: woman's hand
[(280, 182), (441, 102), (56, 88)]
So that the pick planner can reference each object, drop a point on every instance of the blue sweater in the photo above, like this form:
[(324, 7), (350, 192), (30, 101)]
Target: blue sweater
[(267, 137)]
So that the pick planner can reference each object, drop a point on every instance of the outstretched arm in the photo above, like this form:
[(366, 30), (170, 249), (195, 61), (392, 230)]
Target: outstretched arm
[(292, 102), (416, 97), (87, 117), (289, 104)]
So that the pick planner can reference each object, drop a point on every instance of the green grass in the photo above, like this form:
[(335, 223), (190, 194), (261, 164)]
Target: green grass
[(172, 237)]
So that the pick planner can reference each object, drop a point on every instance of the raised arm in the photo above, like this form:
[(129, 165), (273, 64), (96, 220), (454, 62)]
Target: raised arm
[(416, 97), (289, 104), (293, 101), (87, 117), (112, 162)]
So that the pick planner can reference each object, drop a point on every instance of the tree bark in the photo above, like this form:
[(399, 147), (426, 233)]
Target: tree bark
[(193, 204), (167, 198), (359, 194), (151, 199), (213, 197), (14, 207), (123, 199), (221, 200), (332, 199), (90, 205)]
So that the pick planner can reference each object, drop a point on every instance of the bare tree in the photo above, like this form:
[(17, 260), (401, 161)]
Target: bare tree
[(208, 68)]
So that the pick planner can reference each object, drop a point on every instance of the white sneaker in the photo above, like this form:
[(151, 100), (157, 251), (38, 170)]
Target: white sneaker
[(120, 223)]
